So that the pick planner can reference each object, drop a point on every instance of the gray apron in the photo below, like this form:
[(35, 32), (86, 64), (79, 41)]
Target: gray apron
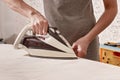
[(74, 19)]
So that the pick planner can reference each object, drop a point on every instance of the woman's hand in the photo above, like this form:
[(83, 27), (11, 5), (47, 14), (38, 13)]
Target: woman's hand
[(80, 47), (39, 24)]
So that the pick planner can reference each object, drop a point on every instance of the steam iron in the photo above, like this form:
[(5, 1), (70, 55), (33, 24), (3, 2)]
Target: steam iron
[(52, 45)]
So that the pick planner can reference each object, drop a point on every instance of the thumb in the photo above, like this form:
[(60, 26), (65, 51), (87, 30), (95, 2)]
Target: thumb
[(74, 47)]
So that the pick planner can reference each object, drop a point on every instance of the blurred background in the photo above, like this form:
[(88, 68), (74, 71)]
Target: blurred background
[(11, 22)]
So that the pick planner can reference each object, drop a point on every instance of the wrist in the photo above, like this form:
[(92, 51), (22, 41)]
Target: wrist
[(88, 38), (32, 13)]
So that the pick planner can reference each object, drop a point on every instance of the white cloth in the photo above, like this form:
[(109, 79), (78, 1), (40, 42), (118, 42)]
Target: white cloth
[(15, 65)]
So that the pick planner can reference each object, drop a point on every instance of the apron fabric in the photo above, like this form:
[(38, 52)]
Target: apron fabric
[(74, 19)]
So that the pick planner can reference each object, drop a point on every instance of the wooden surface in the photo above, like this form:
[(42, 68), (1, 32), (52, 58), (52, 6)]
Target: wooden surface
[(15, 65)]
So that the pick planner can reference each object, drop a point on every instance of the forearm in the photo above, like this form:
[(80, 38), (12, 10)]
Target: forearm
[(39, 24), (21, 7), (104, 21)]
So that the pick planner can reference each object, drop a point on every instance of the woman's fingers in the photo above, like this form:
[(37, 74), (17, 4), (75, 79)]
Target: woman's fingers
[(74, 47), (45, 28), (33, 29), (40, 28), (37, 28), (40, 24), (78, 50), (81, 52)]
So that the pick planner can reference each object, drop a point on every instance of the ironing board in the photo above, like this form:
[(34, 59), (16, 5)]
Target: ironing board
[(16, 65)]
